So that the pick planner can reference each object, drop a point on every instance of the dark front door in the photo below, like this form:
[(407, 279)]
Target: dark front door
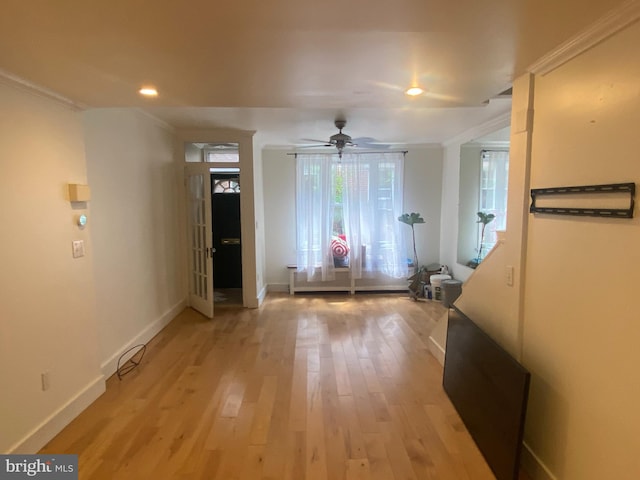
[(225, 206)]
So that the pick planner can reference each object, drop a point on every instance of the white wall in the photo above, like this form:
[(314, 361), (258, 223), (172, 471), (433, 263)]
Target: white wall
[(469, 202), (423, 194), (279, 180), (582, 326), (135, 228), (573, 326), (47, 304), (423, 191), (449, 223)]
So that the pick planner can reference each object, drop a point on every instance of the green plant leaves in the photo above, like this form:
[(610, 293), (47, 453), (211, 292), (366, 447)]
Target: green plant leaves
[(485, 218), (411, 218)]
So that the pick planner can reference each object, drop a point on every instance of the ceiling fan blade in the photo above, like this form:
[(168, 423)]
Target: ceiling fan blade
[(364, 140), (320, 145), (369, 142), (372, 146), (315, 140), (341, 140)]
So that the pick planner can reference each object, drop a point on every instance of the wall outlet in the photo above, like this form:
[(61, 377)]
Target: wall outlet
[(45, 379), (509, 275)]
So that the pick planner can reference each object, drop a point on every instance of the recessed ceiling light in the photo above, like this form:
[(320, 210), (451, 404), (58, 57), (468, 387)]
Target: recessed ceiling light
[(414, 91), (148, 92)]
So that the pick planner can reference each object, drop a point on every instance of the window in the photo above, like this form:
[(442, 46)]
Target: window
[(359, 198), (226, 185), (222, 156), (221, 153), (494, 177)]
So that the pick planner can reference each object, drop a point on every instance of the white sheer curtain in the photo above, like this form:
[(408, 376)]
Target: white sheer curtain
[(373, 191), (359, 196), (494, 179), (314, 216)]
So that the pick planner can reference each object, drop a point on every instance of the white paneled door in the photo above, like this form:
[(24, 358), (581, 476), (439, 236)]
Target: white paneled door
[(199, 225)]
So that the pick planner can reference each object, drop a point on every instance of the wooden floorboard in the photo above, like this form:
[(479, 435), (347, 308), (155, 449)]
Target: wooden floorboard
[(306, 387)]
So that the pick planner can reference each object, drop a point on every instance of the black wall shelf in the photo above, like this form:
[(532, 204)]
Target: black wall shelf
[(623, 188)]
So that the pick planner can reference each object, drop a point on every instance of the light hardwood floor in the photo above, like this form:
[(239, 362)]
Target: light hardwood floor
[(306, 387)]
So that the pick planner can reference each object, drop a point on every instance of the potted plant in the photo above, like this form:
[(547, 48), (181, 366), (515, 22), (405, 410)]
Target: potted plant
[(411, 219), (416, 287), (485, 219)]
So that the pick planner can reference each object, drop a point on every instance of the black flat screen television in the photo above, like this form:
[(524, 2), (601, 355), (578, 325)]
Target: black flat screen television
[(489, 389)]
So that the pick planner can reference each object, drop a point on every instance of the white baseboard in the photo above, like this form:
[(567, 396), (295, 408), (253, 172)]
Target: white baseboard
[(52, 425), (436, 350), (262, 295), (110, 365), (534, 467)]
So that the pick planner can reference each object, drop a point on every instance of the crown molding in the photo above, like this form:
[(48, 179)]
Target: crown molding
[(490, 126), (214, 135), (20, 83), (609, 24), (500, 144), (158, 121)]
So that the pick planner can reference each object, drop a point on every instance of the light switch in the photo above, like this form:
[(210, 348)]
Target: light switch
[(509, 275), (78, 248)]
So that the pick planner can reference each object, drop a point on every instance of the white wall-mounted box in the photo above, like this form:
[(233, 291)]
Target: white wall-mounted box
[(79, 193)]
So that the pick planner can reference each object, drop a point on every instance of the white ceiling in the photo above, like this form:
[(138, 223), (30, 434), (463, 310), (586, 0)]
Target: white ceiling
[(287, 68)]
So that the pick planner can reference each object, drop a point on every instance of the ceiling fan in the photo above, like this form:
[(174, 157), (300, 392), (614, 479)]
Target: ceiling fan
[(341, 140)]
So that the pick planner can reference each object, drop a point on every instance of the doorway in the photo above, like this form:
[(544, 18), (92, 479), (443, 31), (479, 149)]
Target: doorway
[(227, 238), (207, 152)]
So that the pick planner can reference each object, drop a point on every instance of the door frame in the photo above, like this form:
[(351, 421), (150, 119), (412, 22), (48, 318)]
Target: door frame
[(248, 224)]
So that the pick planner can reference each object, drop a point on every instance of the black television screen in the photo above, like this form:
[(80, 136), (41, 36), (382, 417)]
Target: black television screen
[(489, 389)]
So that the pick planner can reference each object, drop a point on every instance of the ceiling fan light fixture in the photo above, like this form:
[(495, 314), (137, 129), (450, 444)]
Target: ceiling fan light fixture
[(414, 91)]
